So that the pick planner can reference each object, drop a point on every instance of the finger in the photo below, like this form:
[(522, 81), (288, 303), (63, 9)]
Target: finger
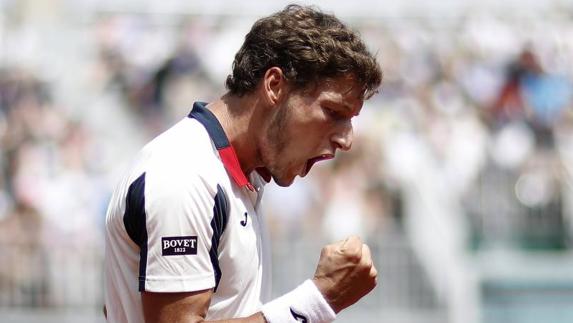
[(352, 244), (373, 272), (340, 243), (366, 255)]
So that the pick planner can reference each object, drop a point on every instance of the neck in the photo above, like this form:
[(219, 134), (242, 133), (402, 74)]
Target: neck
[(239, 120)]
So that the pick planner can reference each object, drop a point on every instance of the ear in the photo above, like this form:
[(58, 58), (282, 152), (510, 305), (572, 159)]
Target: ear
[(274, 86)]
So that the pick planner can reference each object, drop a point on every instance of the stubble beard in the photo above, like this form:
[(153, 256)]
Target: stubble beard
[(275, 144)]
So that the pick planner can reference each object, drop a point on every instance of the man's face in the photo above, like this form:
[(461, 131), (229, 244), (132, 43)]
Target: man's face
[(309, 126)]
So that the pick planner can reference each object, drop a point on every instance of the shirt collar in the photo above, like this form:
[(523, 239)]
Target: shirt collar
[(219, 138)]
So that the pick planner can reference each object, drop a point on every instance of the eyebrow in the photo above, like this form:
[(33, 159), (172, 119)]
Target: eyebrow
[(346, 107)]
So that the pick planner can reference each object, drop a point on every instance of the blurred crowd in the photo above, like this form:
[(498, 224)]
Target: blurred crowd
[(475, 113), (50, 193)]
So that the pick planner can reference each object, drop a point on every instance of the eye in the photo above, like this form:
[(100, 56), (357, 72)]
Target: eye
[(333, 113)]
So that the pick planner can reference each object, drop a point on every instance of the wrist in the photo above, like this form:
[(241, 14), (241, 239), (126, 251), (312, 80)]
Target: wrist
[(324, 287), (304, 302)]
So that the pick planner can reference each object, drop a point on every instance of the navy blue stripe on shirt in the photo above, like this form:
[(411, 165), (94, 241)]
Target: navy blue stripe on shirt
[(210, 122), (218, 224), (134, 220)]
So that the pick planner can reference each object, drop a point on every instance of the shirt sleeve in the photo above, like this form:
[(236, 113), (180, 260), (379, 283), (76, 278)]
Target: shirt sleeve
[(184, 220)]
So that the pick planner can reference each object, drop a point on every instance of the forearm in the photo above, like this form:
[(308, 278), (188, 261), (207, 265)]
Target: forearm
[(305, 304), (255, 318), (194, 318)]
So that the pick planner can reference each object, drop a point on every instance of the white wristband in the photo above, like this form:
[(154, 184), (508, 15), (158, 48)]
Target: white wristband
[(304, 304)]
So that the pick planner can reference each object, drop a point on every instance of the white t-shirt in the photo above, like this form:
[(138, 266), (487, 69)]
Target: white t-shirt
[(185, 218)]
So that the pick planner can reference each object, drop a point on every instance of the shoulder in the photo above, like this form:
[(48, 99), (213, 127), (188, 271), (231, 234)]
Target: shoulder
[(183, 157), (178, 172)]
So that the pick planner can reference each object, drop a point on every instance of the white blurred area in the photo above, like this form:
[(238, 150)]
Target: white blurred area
[(459, 178)]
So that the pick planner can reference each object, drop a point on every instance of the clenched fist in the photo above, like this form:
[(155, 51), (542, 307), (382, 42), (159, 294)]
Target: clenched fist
[(345, 273)]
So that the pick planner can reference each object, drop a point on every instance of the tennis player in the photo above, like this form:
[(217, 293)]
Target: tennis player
[(185, 238)]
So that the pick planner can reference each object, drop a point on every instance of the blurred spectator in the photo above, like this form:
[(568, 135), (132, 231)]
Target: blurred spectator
[(23, 255), (510, 105), (530, 94)]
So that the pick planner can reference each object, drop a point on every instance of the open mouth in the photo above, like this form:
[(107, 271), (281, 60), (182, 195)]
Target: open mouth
[(314, 160)]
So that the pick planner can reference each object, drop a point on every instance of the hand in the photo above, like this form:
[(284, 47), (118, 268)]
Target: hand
[(345, 273)]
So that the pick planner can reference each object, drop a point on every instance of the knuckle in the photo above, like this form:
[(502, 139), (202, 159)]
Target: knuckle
[(367, 269), (373, 273), (355, 241), (353, 257), (366, 261), (366, 252), (355, 238)]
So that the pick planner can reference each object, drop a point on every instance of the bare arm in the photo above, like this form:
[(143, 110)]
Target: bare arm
[(184, 308)]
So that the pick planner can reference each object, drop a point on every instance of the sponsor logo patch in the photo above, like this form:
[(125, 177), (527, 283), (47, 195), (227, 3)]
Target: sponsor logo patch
[(178, 246)]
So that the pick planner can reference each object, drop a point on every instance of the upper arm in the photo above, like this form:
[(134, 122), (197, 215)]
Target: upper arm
[(179, 231), (176, 307), (177, 223)]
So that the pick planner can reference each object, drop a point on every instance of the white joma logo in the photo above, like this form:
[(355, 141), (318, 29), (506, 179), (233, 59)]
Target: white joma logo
[(179, 243)]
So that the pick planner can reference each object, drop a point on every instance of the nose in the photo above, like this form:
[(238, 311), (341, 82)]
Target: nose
[(342, 138)]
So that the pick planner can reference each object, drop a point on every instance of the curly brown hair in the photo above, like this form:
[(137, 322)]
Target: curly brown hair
[(308, 45)]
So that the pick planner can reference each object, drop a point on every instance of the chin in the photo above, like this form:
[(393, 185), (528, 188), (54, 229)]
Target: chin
[(283, 182)]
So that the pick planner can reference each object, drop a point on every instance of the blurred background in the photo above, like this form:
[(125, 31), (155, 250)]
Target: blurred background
[(459, 179)]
